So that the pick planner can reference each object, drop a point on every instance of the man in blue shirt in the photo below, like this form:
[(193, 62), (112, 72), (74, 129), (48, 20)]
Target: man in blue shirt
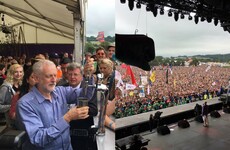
[(43, 112)]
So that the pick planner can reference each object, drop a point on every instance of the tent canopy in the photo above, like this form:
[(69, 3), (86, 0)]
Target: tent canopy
[(55, 16)]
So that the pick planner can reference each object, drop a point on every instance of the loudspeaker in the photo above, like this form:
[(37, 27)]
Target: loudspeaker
[(226, 110), (130, 48), (215, 114), (163, 130), (199, 119), (183, 124)]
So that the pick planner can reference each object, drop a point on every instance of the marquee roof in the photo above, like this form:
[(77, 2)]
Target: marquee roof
[(55, 16)]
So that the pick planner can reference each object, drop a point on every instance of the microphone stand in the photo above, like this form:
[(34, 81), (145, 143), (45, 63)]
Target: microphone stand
[(102, 104)]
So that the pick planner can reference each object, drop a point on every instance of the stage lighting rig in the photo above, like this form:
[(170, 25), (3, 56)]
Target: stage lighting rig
[(196, 19), (123, 1), (176, 15), (162, 11), (131, 4), (138, 5), (216, 21), (170, 13), (189, 17)]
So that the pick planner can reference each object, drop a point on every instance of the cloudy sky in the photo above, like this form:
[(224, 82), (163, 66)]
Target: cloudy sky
[(100, 16), (171, 38)]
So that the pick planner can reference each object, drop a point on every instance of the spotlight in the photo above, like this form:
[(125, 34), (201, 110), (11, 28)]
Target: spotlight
[(162, 11), (202, 19), (155, 11), (123, 1), (176, 15), (138, 5), (148, 8), (216, 21), (131, 4), (209, 19), (196, 19), (189, 17), (182, 16), (170, 13)]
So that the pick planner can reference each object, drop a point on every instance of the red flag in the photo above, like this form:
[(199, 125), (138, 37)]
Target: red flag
[(130, 72), (100, 36)]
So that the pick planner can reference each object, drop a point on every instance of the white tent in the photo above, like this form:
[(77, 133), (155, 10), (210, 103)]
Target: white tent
[(46, 21)]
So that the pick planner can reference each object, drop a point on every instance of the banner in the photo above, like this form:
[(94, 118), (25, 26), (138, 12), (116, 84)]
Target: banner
[(144, 80), (130, 86), (100, 36)]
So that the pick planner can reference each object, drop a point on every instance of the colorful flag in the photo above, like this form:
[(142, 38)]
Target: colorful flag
[(174, 82), (129, 72), (148, 90), (144, 80), (167, 74), (100, 36), (130, 86), (153, 77)]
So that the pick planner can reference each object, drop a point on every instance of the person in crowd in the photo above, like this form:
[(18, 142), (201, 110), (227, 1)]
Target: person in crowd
[(64, 64), (100, 53), (186, 85), (151, 122), (87, 56), (37, 58), (85, 140), (11, 85), (106, 68), (27, 83), (205, 114), (2, 73), (111, 51), (43, 111)]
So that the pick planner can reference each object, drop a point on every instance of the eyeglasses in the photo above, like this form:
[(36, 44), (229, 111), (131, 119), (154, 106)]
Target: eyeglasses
[(100, 53)]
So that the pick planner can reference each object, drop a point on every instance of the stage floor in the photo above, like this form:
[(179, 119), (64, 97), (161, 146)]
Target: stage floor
[(196, 137), (136, 119)]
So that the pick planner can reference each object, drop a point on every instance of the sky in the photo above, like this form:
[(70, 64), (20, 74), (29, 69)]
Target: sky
[(100, 16), (171, 38)]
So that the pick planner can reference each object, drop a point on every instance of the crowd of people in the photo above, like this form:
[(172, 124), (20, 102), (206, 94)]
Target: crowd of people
[(173, 86)]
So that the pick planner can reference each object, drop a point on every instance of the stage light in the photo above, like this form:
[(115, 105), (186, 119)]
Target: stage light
[(202, 19), (196, 19), (155, 11), (148, 8), (182, 16), (170, 13), (131, 4), (123, 1), (209, 19), (176, 15), (162, 11), (138, 5), (216, 21), (189, 17)]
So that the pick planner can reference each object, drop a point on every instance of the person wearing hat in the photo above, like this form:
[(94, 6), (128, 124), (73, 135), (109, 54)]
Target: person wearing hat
[(64, 64)]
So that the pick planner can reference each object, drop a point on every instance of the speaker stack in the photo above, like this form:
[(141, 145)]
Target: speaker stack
[(183, 123), (199, 119), (163, 130), (215, 114)]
